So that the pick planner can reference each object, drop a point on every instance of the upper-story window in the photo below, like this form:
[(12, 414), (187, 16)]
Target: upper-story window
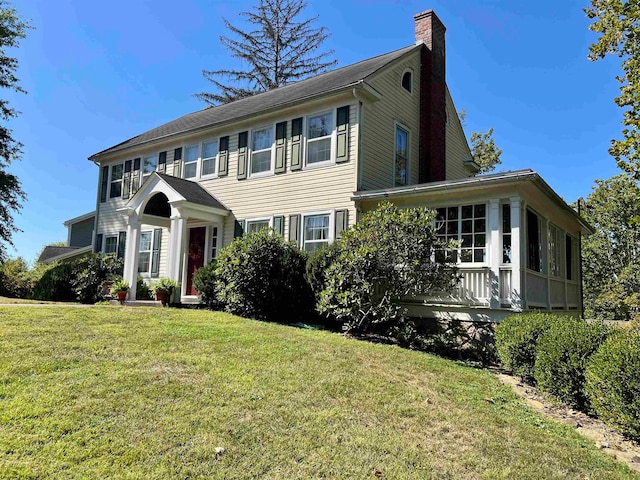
[(115, 189), (261, 150), (407, 81), (209, 154), (402, 157), (319, 135), (149, 164), (191, 156)]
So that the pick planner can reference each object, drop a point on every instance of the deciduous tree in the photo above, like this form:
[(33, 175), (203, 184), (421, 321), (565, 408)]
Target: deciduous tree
[(618, 23), (484, 150), (282, 48), (12, 30)]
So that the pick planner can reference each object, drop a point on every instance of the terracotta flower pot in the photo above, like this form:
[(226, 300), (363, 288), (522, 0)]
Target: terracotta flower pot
[(122, 295), (163, 297)]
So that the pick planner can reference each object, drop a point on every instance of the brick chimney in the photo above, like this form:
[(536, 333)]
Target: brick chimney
[(430, 32)]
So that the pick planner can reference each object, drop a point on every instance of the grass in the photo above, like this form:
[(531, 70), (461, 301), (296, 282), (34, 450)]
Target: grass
[(110, 392)]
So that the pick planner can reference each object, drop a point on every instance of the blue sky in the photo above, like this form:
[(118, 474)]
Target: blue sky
[(99, 73)]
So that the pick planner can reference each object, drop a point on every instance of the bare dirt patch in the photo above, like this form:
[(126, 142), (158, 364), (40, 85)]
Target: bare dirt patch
[(606, 438)]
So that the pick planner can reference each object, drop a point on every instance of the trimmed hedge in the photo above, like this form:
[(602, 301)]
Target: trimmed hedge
[(517, 342), (562, 355), (56, 283), (204, 282), (613, 382)]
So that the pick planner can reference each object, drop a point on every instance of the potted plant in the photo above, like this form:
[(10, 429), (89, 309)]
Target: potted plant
[(164, 289), (119, 288)]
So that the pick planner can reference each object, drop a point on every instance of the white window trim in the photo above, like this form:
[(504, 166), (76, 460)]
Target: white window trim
[(271, 171), (209, 242), (411, 86), (333, 136), (196, 161), (109, 197), (397, 125), (486, 234), (332, 228), (258, 219), (146, 274), (104, 242), (215, 159)]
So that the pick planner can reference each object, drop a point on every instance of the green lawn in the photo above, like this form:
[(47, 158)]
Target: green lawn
[(110, 392)]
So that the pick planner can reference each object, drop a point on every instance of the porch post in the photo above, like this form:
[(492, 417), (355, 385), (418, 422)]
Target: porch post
[(495, 247), (517, 295), (131, 254), (177, 236)]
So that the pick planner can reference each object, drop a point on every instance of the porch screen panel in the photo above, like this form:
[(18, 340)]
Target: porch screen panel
[(155, 255)]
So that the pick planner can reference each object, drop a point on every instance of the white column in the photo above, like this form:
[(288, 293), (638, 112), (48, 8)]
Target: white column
[(177, 240), (517, 262), (131, 254), (495, 252)]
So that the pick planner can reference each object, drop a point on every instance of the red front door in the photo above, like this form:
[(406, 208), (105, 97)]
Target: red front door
[(196, 255)]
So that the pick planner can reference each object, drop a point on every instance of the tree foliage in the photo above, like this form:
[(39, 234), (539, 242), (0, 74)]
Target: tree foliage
[(279, 50), (386, 256), (12, 30), (618, 23), (484, 150), (611, 256)]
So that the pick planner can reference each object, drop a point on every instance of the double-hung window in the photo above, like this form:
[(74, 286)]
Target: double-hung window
[(316, 231), (261, 150), (402, 156), (144, 259), (319, 135), (115, 189), (191, 155), (466, 224), (209, 155), (149, 164), (111, 244)]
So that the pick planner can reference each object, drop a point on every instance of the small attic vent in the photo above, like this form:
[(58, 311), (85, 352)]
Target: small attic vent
[(407, 81)]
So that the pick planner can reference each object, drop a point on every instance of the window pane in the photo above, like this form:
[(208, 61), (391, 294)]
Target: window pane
[(479, 210), (478, 255), (467, 211), (208, 167), (319, 150), (150, 164), (209, 149), (111, 245), (257, 226), (116, 189), (467, 226), (479, 225), (116, 172), (401, 142), (320, 125), (261, 162), (143, 262), (190, 170), (191, 153), (506, 249), (506, 218), (145, 241), (452, 213), (262, 139)]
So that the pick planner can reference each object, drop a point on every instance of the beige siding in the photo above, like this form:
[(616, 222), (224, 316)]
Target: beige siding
[(457, 147), (379, 120), (319, 189)]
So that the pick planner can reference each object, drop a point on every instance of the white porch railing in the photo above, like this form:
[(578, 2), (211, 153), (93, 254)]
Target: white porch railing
[(473, 289)]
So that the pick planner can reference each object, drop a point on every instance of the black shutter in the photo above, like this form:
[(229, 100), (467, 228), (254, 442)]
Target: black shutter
[(342, 222), (155, 255), (243, 139), (122, 242), (177, 158), (281, 147), (126, 179), (238, 228), (296, 144), (135, 177), (294, 229), (223, 157), (97, 248), (278, 224), (104, 183), (342, 127), (162, 162)]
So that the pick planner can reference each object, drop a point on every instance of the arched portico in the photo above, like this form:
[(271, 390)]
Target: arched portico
[(184, 208)]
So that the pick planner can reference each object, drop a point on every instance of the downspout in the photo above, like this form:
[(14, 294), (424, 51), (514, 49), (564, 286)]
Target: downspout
[(94, 236)]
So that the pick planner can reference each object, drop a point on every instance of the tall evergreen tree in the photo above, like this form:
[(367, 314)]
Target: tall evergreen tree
[(12, 30), (280, 50), (618, 23)]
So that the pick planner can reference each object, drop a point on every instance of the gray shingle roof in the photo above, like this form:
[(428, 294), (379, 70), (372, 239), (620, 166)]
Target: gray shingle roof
[(246, 107), (192, 191), (51, 251)]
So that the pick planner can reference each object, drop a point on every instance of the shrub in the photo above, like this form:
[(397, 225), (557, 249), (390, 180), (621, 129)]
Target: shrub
[(317, 265), (55, 283), (143, 292), (613, 382), (14, 278), (204, 281), (91, 272), (385, 257), (261, 276), (562, 356), (517, 339)]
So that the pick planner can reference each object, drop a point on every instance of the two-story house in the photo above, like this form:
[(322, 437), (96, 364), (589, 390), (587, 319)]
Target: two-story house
[(308, 158)]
